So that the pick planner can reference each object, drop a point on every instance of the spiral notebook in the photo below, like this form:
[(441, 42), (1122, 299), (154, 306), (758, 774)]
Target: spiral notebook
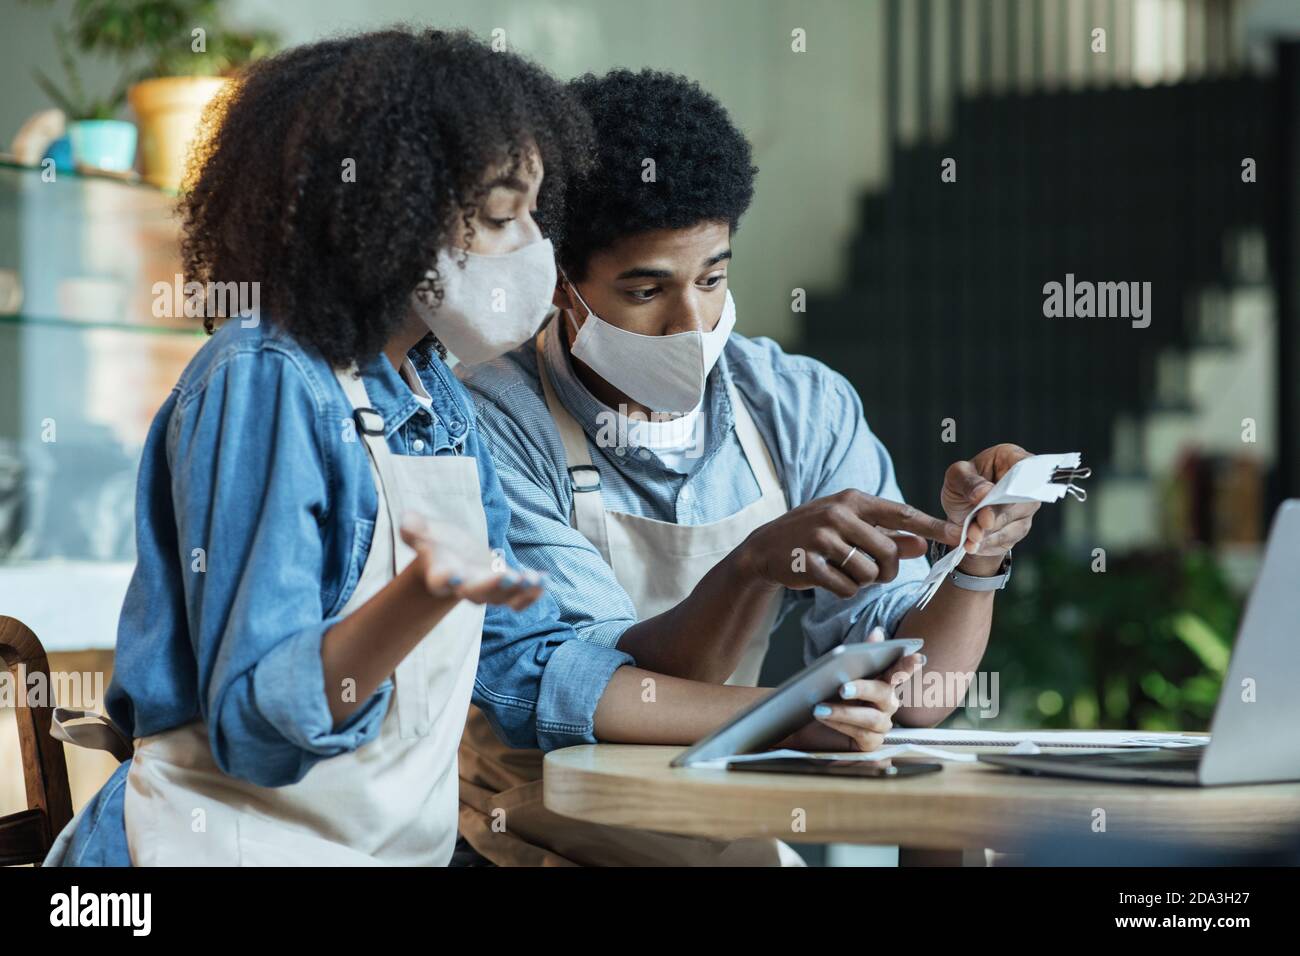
[(1044, 739)]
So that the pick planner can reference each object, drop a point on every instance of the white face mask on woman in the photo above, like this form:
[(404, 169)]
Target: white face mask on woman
[(491, 305), (665, 373)]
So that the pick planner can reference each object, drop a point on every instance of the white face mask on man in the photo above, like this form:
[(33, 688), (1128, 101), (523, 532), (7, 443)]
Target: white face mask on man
[(491, 305), (665, 373)]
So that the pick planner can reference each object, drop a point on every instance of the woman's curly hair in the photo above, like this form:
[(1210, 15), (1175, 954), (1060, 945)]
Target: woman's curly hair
[(423, 117)]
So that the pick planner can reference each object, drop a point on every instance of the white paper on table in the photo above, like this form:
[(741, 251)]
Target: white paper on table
[(1025, 747), (1119, 739), (1029, 479), (882, 753)]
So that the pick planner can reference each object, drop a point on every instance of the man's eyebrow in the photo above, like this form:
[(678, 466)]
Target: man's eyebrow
[(641, 273), (645, 273)]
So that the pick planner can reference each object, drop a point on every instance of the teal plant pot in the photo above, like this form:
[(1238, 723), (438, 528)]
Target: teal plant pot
[(103, 144)]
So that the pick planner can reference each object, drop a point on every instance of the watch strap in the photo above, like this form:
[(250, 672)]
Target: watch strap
[(972, 582)]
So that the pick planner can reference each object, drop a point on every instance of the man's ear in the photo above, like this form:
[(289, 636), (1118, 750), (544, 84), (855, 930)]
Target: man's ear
[(561, 298)]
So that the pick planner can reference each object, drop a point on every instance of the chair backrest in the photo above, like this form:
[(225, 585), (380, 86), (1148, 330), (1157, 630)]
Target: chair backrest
[(26, 836)]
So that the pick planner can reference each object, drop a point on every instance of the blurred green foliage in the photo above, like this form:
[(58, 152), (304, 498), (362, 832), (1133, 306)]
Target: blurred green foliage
[(148, 38), (1143, 645)]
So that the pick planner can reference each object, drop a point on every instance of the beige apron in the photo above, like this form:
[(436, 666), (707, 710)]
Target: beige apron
[(391, 801), (658, 564)]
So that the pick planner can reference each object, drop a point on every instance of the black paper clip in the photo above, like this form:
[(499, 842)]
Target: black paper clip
[(1067, 477)]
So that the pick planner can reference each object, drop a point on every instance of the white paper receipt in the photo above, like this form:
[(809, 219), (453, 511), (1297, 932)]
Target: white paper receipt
[(1044, 478)]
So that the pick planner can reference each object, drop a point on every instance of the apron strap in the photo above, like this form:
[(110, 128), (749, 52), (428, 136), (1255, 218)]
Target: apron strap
[(85, 728), (584, 480), (752, 444), (370, 426)]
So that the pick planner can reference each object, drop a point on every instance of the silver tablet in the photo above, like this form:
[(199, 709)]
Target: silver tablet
[(790, 706)]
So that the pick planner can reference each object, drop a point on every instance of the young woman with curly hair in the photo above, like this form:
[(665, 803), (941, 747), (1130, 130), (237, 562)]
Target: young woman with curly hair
[(321, 536)]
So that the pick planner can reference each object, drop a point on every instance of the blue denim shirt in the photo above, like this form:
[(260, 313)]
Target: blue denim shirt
[(254, 513), (809, 416)]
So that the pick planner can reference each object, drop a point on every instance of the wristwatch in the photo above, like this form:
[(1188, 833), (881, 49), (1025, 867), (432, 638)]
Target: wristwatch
[(973, 582)]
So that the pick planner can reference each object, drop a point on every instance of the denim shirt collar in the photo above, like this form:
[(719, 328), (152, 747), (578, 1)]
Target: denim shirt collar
[(588, 410), (396, 403)]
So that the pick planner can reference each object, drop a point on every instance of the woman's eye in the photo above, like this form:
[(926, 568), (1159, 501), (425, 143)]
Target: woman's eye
[(500, 223)]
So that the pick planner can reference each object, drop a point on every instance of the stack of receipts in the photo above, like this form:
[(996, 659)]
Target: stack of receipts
[(1037, 478), (929, 742)]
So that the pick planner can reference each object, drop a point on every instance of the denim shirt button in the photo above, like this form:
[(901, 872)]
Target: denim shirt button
[(417, 445)]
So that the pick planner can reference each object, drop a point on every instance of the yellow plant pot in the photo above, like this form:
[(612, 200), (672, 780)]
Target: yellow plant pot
[(168, 110)]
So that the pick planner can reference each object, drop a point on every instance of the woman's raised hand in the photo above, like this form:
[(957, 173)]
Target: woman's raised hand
[(453, 565)]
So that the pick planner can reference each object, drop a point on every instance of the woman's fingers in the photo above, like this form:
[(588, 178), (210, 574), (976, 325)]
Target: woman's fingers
[(510, 588), (880, 694), (870, 719), (903, 671), (861, 740), (866, 733), (415, 531), (524, 598), (440, 581)]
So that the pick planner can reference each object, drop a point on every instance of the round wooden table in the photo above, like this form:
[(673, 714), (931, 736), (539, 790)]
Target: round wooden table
[(963, 807)]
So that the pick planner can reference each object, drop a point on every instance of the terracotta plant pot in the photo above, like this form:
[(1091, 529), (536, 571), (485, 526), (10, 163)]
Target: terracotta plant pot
[(168, 110)]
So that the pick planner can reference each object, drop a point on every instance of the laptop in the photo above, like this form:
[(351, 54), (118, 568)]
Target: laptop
[(1253, 736)]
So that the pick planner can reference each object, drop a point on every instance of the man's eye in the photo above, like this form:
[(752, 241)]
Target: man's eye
[(711, 281), (643, 295)]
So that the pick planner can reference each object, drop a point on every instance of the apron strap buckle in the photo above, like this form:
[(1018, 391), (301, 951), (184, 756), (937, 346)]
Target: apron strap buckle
[(369, 421), (589, 482)]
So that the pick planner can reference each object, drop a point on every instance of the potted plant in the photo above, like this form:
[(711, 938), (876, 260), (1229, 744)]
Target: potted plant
[(180, 55), (1143, 646), (190, 67), (96, 138)]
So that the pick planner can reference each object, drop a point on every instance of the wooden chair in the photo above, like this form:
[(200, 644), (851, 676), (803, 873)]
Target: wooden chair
[(26, 836)]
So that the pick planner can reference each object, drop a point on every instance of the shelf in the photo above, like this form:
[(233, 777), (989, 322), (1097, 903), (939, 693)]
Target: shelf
[(85, 364), (192, 327), (89, 175)]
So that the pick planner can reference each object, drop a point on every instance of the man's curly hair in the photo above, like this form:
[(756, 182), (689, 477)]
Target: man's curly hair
[(424, 116), (703, 168)]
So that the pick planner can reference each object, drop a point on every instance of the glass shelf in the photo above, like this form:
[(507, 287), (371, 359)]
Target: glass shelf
[(84, 366), (191, 327)]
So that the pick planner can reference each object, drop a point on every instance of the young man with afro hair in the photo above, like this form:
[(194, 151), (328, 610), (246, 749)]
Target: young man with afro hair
[(685, 486)]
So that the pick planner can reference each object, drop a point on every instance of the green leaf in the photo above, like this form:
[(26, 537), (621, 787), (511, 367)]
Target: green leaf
[(1212, 650), (52, 90)]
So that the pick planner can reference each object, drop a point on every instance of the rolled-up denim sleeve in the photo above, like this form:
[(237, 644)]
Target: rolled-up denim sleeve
[(288, 692), (572, 684), (538, 682), (249, 486)]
